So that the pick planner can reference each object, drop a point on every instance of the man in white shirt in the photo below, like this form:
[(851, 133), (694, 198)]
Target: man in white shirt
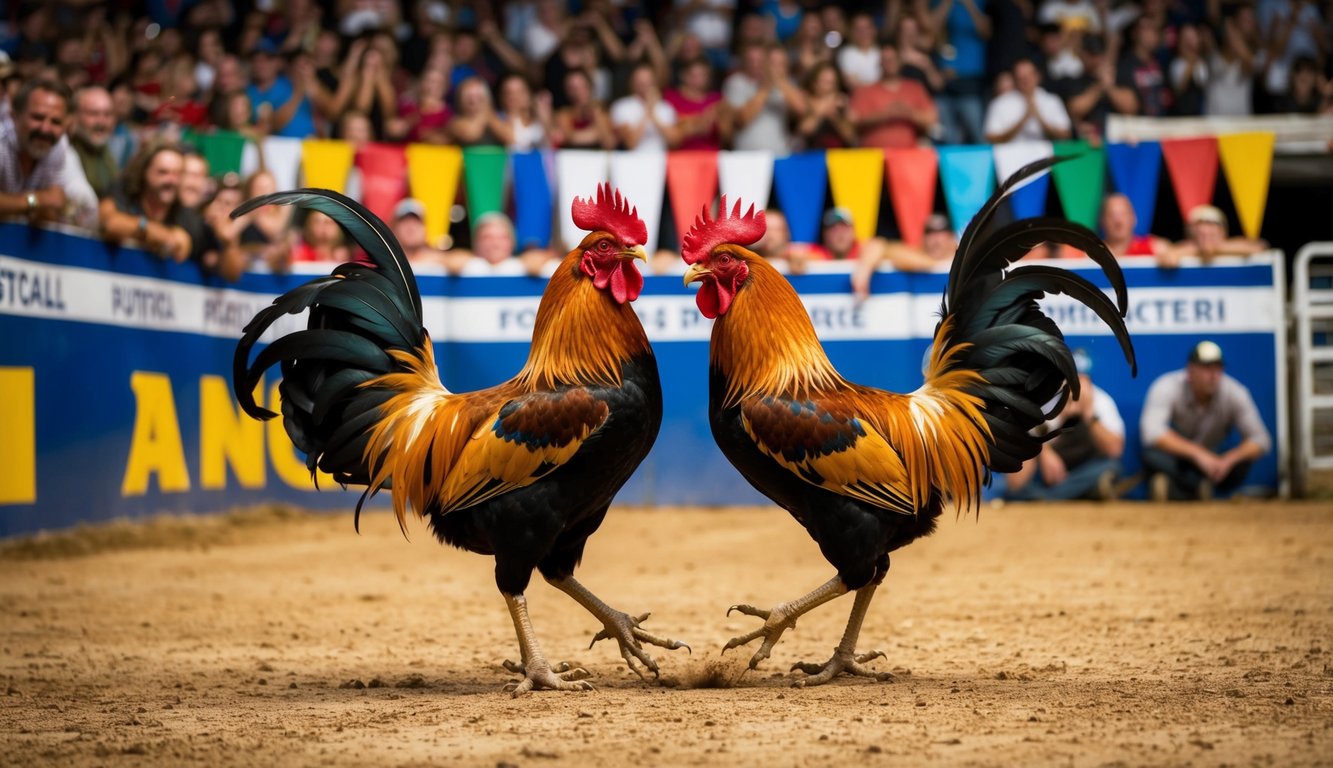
[(643, 120), (35, 173), (760, 97), (1028, 112), (858, 60)]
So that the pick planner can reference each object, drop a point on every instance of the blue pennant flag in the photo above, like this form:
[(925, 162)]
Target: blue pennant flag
[(800, 181), (1135, 169), (967, 174), (532, 200)]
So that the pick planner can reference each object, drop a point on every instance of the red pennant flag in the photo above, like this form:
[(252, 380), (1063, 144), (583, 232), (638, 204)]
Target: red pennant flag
[(383, 177), (1192, 164), (912, 172), (692, 183)]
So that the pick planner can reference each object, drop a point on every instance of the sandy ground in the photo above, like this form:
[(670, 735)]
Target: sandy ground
[(1041, 635)]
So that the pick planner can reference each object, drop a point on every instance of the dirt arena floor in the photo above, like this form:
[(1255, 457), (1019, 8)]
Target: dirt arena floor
[(1080, 635)]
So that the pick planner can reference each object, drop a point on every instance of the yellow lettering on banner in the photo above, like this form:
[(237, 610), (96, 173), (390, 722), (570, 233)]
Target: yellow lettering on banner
[(227, 437), (18, 450), (289, 467), (156, 447)]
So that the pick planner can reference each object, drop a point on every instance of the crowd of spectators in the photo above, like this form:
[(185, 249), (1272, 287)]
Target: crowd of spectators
[(92, 92)]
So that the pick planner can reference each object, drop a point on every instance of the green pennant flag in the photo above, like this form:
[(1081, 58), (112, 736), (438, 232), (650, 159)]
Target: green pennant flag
[(484, 176), (1080, 182), (222, 150)]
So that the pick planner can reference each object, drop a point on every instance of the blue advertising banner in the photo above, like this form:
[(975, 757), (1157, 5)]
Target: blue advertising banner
[(115, 371)]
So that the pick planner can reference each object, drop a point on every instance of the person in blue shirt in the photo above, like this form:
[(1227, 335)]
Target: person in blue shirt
[(282, 106), (962, 28)]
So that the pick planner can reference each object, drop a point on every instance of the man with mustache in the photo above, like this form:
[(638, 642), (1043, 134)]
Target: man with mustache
[(90, 136), (34, 179)]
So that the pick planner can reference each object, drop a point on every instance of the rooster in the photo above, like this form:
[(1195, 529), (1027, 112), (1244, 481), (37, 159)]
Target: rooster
[(867, 471), (524, 471)]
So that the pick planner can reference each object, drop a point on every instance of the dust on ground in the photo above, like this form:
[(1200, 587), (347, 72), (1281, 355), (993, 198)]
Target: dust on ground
[(1128, 634)]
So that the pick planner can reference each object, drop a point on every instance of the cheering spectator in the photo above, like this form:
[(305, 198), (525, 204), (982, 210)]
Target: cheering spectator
[(642, 119), (582, 123), (918, 64), (1291, 29), (542, 34), (146, 208), (196, 186), (858, 58), (281, 107), (1231, 67), (266, 234), (365, 85), (963, 61), (776, 244), (1189, 73), (809, 46), (1118, 221), (493, 251), (1187, 417), (94, 122), (1206, 239), (698, 106), (526, 122), (1139, 65), (424, 115), (895, 112), (37, 177), (1095, 94), (409, 227), (935, 252), (1308, 92), (838, 242), (709, 21), (825, 123), (1028, 112), (476, 123), (760, 99), (321, 240)]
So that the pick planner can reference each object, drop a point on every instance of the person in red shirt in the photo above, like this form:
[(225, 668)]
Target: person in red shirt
[(894, 112), (697, 106)]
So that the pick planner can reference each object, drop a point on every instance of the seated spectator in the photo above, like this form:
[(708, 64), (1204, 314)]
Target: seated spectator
[(760, 99), (320, 240), (37, 179), (526, 122), (196, 186), (582, 123), (409, 226), (776, 244), (424, 115), (825, 124), (1187, 417), (1206, 238), (1083, 460), (642, 119), (838, 242), (94, 122), (937, 249), (475, 122), (1118, 221), (894, 112), (858, 58), (146, 208), (698, 106), (1028, 112), (494, 251)]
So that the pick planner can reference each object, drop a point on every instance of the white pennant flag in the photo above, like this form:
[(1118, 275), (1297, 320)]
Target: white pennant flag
[(1016, 154), (641, 177), (747, 176), (282, 158), (577, 172)]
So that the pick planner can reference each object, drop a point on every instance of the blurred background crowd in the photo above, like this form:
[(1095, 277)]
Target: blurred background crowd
[(776, 75)]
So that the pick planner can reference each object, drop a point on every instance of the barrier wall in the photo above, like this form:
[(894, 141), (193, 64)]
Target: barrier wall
[(115, 366)]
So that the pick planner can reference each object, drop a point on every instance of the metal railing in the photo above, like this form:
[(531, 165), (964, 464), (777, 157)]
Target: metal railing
[(1312, 322)]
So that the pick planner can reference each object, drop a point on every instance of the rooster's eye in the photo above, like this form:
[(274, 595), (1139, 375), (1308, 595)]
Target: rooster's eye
[(724, 258), (604, 245)]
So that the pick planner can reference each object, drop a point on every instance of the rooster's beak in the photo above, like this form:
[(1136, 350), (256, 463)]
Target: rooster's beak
[(637, 252), (695, 272)]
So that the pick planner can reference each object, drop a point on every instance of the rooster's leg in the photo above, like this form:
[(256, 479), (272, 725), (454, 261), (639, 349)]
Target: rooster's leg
[(537, 673), (624, 628), (845, 659), (782, 618)]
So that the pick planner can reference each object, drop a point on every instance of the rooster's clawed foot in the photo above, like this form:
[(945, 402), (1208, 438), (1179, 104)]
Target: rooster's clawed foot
[(776, 621), (564, 677), (628, 633), (842, 663)]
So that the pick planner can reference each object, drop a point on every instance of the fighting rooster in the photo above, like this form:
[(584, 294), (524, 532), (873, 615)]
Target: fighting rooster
[(523, 471), (867, 471)]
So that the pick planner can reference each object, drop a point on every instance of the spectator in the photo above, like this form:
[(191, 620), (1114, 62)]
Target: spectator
[(227, 196), (698, 106), (282, 107), (858, 58), (1118, 221), (1139, 65), (785, 16), (838, 242), (1083, 460), (542, 35), (196, 186), (321, 240), (709, 21), (760, 99), (809, 47), (37, 179), (364, 86), (963, 61), (1027, 113), (494, 245), (1291, 29), (1095, 94), (937, 249), (526, 122), (895, 112), (266, 234), (1308, 93), (582, 123), (475, 123), (94, 122), (1206, 239), (1189, 74), (776, 244), (918, 64), (1082, 15), (424, 115), (146, 208), (642, 119), (1187, 417), (409, 226), (825, 124), (1231, 68), (1010, 21)]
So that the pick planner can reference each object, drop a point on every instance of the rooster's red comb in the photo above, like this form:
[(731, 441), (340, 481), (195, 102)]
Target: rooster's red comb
[(707, 234), (610, 213)]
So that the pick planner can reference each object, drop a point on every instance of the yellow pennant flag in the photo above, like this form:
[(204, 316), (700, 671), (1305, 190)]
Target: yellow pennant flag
[(325, 163), (856, 177), (432, 177), (1247, 161)]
